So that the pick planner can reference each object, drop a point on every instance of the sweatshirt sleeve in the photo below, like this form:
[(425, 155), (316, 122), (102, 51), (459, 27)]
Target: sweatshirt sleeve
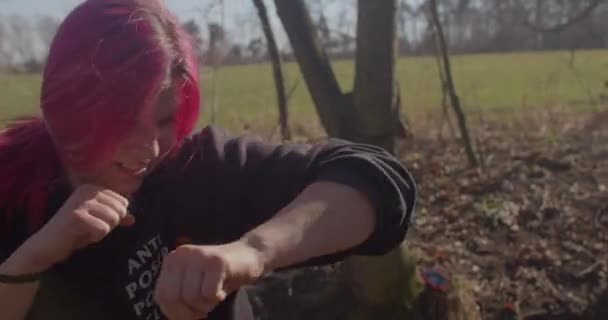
[(230, 185)]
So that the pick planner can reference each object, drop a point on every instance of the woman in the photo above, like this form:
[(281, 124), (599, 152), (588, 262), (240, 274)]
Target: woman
[(110, 209)]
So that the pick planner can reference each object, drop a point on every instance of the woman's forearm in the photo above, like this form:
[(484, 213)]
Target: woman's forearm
[(325, 218), (16, 299)]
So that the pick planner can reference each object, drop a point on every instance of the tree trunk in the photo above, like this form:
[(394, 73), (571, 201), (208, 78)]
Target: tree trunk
[(314, 63), (386, 285), (376, 116), (277, 69)]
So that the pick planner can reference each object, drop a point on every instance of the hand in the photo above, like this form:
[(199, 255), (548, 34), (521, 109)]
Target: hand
[(88, 216), (194, 279)]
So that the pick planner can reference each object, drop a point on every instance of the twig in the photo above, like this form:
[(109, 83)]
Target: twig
[(444, 96), (293, 87), (481, 155), (583, 273)]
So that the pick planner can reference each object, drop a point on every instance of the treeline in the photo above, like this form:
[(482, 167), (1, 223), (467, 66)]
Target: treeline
[(471, 26)]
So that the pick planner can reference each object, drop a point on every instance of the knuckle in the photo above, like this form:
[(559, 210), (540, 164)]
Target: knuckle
[(115, 221), (79, 218), (87, 205), (100, 232), (184, 249), (106, 193), (186, 252)]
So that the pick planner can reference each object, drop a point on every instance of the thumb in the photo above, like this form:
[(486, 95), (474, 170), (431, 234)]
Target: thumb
[(127, 221), (213, 283)]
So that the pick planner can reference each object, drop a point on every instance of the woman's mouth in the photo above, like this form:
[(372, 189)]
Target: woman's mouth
[(133, 170)]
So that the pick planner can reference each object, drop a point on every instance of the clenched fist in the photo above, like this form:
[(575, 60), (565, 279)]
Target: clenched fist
[(88, 216), (194, 279)]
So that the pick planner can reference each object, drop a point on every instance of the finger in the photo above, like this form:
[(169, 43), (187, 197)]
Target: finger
[(113, 203), (94, 229), (104, 213), (168, 291), (230, 287), (191, 293), (212, 288), (122, 200), (118, 203)]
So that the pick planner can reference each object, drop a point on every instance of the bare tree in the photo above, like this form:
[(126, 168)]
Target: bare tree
[(5, 55), (277, 68), (218, 46), (375, 91), (21, 39), (345, 31), (314, 64), (217, 51), (449, 85), (370, 114), (508, 25), (355, 116), (194, 30), (255, 48)]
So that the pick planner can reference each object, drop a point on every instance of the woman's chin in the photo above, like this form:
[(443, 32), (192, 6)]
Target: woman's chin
[(128, 188), (125, 187)]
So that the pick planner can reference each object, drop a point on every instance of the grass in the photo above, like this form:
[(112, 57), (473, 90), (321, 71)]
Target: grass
[(500, 84)]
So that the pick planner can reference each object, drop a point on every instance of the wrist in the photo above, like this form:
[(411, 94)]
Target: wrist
[(18, 269), (263, 252), (29, 258)]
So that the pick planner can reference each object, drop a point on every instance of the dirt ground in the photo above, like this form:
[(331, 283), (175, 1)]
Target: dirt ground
[(530, 226)]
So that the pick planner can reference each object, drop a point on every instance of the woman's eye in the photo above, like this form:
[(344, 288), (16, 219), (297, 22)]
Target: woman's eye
[(166, 121)]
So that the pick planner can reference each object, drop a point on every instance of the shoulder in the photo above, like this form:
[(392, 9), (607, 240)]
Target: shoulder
[(214, 144)]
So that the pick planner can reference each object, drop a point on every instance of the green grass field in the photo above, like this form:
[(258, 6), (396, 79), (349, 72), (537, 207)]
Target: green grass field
[(492, 83)]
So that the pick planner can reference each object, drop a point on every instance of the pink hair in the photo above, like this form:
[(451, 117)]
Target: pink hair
[(108, 61)]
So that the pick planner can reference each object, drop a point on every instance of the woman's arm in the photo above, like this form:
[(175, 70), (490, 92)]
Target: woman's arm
[(89, 214), (229, 186), (250, 207), (324, 219), (16, 299)]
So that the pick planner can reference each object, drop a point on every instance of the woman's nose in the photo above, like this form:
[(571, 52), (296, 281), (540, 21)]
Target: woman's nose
[(147, 150), (145, 142)]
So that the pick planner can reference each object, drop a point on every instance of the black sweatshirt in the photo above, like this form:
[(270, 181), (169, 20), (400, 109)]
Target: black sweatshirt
[(213, 191)]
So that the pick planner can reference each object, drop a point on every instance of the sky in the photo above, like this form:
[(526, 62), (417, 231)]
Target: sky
[(59, 8), (240, 21)]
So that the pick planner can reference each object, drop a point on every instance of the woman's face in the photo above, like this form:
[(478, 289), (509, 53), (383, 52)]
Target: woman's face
[(152, 137)]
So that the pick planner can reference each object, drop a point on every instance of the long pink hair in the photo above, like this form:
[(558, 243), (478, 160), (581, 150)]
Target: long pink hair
[(108, 60)]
